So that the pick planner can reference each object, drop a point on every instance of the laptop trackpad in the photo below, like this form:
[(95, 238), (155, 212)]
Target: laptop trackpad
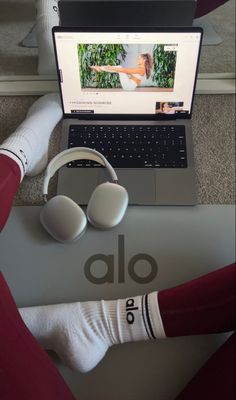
[(139, 183)]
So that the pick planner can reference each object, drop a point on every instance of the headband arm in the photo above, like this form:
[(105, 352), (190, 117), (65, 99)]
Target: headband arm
[(75, 153)]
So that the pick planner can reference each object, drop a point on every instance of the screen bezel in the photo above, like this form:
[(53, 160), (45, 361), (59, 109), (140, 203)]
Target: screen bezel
[(127, 117)]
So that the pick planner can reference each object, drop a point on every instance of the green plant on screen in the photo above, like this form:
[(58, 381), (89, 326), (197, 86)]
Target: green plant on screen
[(164, 66), (100, 54)]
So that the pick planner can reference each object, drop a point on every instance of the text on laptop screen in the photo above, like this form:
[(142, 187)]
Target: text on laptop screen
[(127, 73)]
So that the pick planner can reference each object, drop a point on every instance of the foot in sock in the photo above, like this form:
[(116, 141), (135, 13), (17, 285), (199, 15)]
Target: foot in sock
[(28, 145), (81, 333)]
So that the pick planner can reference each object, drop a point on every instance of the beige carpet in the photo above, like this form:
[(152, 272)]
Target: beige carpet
[(214, 147), (18, 16), (220, 58)]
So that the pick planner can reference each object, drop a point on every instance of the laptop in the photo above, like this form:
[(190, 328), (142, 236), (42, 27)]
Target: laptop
[(128, 93), (127, 12)]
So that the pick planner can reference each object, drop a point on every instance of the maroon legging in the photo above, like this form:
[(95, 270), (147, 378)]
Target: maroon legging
[(205, 305), (206, 6), (9, 182), (26, 371)]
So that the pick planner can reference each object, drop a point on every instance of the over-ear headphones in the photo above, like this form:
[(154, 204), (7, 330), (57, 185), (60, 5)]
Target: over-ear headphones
[(65, 220)]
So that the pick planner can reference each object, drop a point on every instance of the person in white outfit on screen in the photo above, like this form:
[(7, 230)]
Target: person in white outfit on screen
[(130, 78)]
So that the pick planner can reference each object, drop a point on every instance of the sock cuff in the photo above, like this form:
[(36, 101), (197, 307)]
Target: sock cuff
[(137, 318), (125, 322), (18, 147), (155, 316), (131, 310)]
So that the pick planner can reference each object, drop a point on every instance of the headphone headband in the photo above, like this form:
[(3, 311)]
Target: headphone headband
[(75, 153)]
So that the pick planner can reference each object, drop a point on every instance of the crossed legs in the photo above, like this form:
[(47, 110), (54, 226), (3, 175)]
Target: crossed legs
[(83, 332)]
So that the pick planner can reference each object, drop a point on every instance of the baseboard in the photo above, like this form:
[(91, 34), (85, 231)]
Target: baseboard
[(207, 83)]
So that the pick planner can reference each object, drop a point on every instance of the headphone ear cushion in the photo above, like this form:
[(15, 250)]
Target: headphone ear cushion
[(107, 205), (63, 219)]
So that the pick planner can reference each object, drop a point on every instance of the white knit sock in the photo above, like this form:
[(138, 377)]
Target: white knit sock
[(28, 145), (47, 17), (81, 333)]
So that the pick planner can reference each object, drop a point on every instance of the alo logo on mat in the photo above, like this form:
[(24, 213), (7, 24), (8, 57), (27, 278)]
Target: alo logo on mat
[(129, 311), (109, 260)]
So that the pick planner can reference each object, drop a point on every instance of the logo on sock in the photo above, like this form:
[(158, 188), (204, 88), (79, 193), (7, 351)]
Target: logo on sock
[(130, 307), (24, 155)]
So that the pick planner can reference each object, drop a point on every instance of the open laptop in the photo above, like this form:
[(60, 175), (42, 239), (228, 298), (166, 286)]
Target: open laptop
[(140, 121)]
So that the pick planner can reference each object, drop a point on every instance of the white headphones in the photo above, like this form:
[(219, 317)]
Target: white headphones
[(63, 219)]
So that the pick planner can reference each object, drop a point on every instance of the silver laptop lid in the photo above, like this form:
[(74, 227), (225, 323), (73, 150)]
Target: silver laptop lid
[(125, 73)]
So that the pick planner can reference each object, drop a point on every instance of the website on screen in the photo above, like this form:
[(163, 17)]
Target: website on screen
[(127, 73)]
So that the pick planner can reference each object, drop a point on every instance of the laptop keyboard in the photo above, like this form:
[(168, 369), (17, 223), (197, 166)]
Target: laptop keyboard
[(132, 146)]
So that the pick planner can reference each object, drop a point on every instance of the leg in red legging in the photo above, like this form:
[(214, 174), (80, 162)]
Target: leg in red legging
[(205, 305), (204, 7), (10, 176), (26, 371)]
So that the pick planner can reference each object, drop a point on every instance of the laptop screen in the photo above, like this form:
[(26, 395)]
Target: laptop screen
[(111, 73)]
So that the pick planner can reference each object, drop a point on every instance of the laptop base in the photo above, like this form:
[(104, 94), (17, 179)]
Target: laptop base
[(151, 186)]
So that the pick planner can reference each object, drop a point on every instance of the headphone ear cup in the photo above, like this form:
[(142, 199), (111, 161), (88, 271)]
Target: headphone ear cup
[(107, 205), (63, 219)]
